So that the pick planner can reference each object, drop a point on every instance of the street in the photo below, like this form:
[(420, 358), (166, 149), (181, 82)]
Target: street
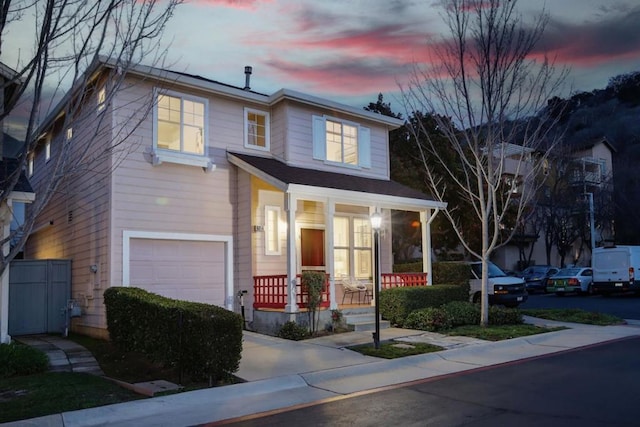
[(595, 386), (625, 306)]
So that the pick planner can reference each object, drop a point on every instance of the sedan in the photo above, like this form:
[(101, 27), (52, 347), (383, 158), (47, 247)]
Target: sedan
[(536, 276), (576, 279)]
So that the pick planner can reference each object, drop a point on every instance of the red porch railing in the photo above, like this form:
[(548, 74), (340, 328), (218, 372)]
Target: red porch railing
[(272, 291), (396, 280)]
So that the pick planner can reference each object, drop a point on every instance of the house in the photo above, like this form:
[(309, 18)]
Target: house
[(578, 191), (214, 191), (15, 192)]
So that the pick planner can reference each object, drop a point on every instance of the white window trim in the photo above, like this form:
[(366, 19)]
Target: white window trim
[(160, 155), (69, 133), (267, 129), (127, 235), (268, 229)]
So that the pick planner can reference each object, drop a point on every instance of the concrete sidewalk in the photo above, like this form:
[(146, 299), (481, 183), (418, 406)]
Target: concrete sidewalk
[(283, 373)]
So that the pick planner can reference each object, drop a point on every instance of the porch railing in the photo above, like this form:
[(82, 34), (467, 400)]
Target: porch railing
[(272, 291), (397, 280)]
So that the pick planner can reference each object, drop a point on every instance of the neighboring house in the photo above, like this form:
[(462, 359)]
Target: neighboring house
[(587, 174), (218, 190), (11, 203)]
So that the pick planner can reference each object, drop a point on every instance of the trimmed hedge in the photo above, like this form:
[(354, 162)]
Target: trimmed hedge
[(203, 340), (397, 303), (443, 272), (18, 359), (428, 319), (460, 313)]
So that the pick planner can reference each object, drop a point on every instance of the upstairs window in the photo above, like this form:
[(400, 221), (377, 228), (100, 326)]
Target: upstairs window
[(341, 142), (30, 166), (47, 150), (181, 124), (101, 98), (256, 129)]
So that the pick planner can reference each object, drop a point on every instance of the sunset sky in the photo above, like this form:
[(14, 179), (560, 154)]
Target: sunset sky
[(350, 51)]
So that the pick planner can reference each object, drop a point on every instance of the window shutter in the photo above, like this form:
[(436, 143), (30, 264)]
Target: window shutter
[(319, 138), (364, 147)]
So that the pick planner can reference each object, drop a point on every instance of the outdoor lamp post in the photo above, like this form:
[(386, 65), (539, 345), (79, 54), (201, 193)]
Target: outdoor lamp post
[(376, 221)]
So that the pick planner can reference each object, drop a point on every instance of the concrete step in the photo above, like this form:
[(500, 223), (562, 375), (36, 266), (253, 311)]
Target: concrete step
[(364, 322)]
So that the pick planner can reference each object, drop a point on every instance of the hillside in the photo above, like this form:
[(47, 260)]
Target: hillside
[(614, 113)]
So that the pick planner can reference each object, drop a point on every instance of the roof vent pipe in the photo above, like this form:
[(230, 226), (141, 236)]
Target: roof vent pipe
[(247, 75)]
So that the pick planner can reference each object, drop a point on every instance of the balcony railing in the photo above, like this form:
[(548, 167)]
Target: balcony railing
[(396, 280), (272, 291)]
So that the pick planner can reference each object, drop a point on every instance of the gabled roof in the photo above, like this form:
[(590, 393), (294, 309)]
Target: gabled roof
[(593, 142), (356, 188)]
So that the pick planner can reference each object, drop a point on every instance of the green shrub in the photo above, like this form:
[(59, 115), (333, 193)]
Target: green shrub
[(203, 340), (430, 319), (451, 272), (462, 313), (293, 331), (397, 303), (18, 359), (443, 272), (504, 316)]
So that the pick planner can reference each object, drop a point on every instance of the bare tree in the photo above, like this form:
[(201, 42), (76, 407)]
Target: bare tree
[(71, 39), (484, 81)]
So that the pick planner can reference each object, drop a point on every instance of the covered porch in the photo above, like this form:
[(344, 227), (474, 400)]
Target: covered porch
[(302, 219)]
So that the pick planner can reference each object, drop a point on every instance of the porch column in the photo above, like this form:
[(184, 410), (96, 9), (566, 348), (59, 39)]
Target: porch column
[(425, 224), (330, 210), (290, 205)]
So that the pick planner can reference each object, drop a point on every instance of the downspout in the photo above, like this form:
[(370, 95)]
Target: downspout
[(426, 218)]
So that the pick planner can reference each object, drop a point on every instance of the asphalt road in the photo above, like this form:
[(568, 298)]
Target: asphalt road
[(624, 306), (596, 386)]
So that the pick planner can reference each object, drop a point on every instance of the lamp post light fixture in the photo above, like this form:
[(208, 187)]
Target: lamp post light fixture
[(376, 221)]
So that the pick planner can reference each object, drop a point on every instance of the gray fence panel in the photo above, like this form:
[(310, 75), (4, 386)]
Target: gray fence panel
[(59, 292), (38, 294)]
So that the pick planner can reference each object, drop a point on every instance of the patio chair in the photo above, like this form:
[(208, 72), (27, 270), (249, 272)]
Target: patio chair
[(351, 286)]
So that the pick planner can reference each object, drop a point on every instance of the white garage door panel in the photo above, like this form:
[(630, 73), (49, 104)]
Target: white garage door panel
[(186, 270)]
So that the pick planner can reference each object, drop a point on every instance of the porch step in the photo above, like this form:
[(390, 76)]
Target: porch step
[(364, 322)]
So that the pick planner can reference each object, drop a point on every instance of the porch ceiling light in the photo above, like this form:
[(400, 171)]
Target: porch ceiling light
[(376, 220)]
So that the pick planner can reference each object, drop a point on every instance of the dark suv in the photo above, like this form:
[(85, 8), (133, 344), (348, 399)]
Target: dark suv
[(536, 276)]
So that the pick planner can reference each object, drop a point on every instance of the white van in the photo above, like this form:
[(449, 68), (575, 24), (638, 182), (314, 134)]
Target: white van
[(502, 289), (616, 269)]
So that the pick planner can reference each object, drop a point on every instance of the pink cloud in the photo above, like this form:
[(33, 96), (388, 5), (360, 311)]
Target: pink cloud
[(232, 4)]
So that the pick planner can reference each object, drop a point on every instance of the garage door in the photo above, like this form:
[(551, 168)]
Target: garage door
[(179, 269)]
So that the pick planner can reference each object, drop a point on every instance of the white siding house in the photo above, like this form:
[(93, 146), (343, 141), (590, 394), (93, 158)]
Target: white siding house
[(218, 189)]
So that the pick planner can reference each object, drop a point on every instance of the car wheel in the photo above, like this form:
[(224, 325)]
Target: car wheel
[(476, 297), (590, 290)]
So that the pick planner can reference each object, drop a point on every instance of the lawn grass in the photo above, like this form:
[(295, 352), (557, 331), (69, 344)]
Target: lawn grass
[(395, 349), (574, 315), (498, 332), (134, 367), (47, 393)]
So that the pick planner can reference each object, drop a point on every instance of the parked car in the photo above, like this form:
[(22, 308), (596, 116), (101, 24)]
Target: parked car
[(575, 279), (536, 276), (502, 289)]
